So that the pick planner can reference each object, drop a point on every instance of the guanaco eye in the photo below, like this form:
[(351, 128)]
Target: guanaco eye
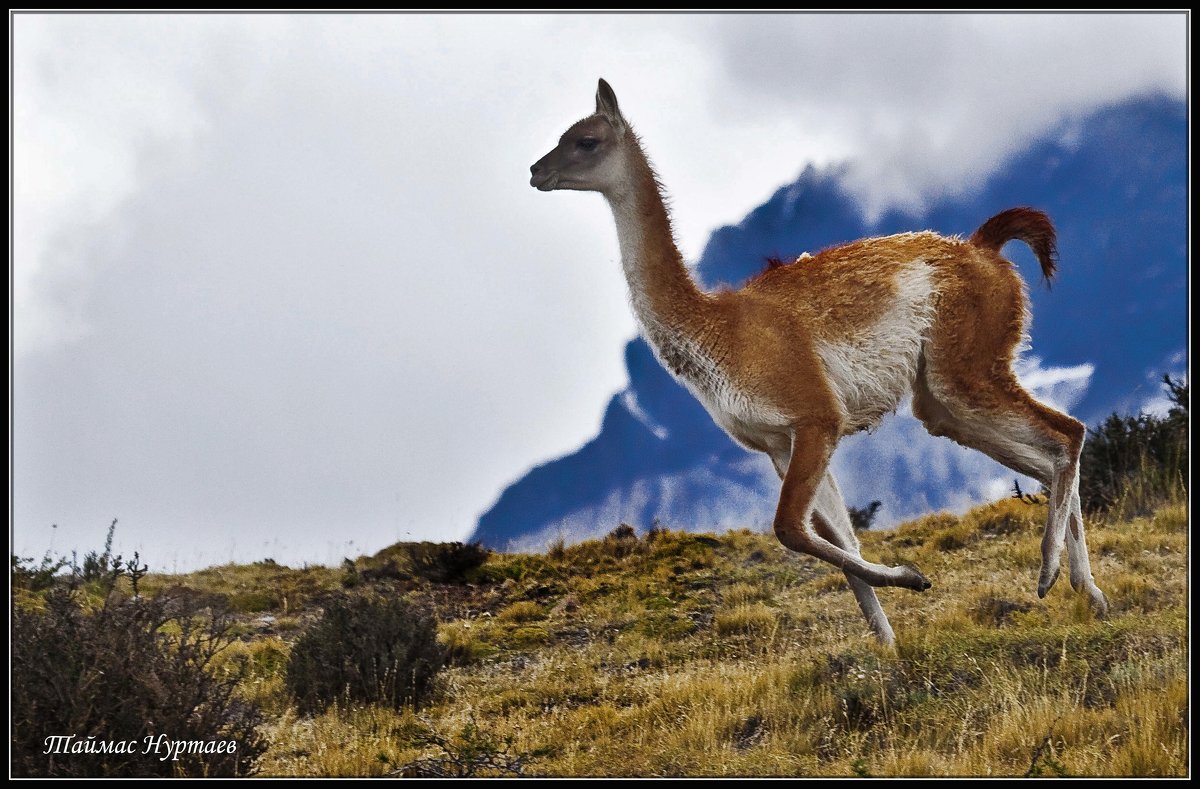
[(588, 143)]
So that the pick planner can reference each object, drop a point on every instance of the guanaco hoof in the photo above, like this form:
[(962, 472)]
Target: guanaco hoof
[(915, 579), (1044, 586)]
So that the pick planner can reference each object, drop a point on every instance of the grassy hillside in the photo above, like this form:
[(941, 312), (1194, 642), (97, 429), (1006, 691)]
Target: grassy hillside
[(683, 654)]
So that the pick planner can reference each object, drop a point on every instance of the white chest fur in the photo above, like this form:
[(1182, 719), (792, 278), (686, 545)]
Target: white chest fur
[(744, 416)]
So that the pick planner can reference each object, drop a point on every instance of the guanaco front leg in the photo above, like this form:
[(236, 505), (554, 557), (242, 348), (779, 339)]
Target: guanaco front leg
[(832, 522), (811, 449)]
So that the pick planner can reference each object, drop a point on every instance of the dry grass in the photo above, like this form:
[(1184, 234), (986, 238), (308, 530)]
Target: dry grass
[(696, 655)]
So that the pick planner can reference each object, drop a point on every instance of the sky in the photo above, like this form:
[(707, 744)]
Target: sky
[(280, 286)]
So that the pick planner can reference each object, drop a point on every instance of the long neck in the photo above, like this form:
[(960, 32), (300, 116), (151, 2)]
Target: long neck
[(664, 296)]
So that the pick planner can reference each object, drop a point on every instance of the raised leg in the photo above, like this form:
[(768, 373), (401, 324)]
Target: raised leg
[(1000, 419), (811, 448), (832, 522)]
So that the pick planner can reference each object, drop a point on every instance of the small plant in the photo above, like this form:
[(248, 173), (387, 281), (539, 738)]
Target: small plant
[(621, 541), (464, 644), (35, 577), (292, 592), (350, 576), (136, 572), (365, 648), (1042, 758), (1021, 495), (446, 562), (861, 519), (655, 531), (102, 566), (471, 754), (522, 611)]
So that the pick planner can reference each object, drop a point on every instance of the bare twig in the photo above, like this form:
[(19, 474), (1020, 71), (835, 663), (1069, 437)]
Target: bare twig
[(1034, 770)]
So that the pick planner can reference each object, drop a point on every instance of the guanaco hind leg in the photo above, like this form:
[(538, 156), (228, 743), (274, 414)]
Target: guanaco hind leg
[(1002, 420), (1077, 555)]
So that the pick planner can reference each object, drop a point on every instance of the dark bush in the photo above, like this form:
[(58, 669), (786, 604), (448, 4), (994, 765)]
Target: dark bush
[(132, 671), (101, 566), (623, 533), (388, 571), (1145, 452), (475, 753), (621, 541), (350, 576), (38, 577), (861, 519), (446, 562), (655, 531), (365, 648)]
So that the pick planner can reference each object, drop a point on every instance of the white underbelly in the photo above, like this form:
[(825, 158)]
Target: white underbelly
[(872, 371)]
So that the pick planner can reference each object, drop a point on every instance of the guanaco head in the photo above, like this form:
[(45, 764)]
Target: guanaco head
[(590, 156)]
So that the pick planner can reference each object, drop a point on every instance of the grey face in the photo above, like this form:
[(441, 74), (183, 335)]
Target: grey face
[(588, 157), (577, 161)]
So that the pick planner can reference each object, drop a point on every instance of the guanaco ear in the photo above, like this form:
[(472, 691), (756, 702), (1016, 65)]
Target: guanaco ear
[(606, 105)]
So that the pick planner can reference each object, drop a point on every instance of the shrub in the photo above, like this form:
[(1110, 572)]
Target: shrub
[(623, 532), (861, 519), (1145, 453), (350, 576), (388, 571), (365, 648), (446, 562), (32, 577), (474, 753), (98, 566), (621, 541), (132, 669)]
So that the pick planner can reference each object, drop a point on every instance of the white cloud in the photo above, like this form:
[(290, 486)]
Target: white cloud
[(1057, 387), (1159, 403), (280, 282), (931, 104)]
